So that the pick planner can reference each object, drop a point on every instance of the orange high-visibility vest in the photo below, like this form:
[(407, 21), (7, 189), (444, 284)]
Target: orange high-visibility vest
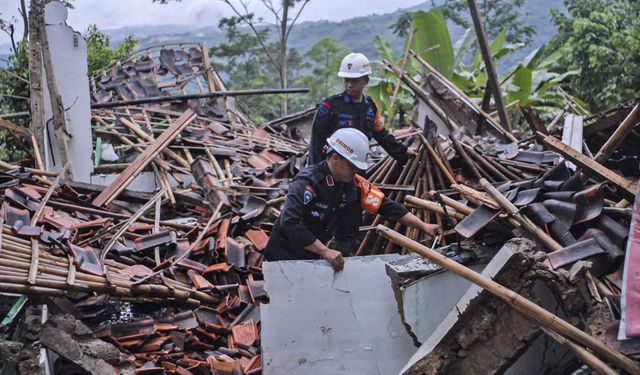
[(370, 196)]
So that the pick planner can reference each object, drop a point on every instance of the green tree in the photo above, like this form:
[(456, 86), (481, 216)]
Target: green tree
[(531, 81), (100, 55), (324, 61), (14, 98), (497, 15), (243, 63), (284, 18), (402, 24), (14, 82), (601, 38)]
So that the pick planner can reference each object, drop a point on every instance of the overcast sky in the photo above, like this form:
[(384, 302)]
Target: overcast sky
[(111, 14)]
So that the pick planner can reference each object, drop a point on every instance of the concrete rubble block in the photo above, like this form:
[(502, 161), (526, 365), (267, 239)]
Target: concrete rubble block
[(321, 322), (21, 354), (483, 335), (425, 293), (71, 339)]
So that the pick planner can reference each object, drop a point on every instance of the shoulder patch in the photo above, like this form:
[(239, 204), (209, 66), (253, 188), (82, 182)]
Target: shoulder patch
[(308, 194), (323, 110)]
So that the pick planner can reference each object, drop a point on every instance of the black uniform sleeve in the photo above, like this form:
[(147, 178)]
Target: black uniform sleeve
[(291, 220), (320, 132), (390, 144), (392, 210)]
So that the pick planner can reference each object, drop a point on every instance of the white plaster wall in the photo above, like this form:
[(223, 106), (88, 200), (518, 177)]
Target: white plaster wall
[(321, 322), (69, 59)]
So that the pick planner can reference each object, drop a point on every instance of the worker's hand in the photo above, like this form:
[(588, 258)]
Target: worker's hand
[(431, 229), (335, 258), (411, 151)]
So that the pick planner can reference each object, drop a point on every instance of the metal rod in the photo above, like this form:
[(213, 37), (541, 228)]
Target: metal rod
[(216, 94)]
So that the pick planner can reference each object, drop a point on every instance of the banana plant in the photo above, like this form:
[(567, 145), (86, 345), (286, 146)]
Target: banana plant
[(531, 81)]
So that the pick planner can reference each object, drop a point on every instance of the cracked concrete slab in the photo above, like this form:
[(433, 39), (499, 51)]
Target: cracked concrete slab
[(321, 322), (483, 335), (426, 301), (491, 270)]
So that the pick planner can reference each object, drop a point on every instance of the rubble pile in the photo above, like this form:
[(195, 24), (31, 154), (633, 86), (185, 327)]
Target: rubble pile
[(172, 277), (569, 188), (160, 255)]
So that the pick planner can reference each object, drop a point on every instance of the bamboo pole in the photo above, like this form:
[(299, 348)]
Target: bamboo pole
[(120, 287), (466, 210), (465, 157), (437, 159), (133, 218), (378, 218), (619, 135), (583, 354), (17, 250), (424, 96), (432, 206), (484, 116), (35, 246), (513, 299), (525, 221), (493, 170), (404, 64)]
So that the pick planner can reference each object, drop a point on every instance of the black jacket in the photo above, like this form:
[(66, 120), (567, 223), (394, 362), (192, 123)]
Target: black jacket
[(318, 207), (339, 111)]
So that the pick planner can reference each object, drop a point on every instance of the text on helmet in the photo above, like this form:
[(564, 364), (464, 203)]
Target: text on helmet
[(346, 147)]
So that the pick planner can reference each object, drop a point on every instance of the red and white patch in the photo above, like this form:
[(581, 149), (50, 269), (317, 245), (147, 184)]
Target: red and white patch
[(329, 180)]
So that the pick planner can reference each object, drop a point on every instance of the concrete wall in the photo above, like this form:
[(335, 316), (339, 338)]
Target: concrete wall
[(321, 322), (69, 59)]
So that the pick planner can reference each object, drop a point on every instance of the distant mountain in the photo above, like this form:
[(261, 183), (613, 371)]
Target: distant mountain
[(355, 33)]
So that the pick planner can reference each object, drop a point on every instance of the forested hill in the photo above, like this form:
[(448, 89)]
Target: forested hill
[(356, 33)]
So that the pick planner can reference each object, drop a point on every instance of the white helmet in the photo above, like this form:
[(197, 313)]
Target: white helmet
[(351, 144), (354, 65)]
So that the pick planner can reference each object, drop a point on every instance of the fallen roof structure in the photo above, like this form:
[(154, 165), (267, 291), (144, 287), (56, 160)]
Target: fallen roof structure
[(154, 246)]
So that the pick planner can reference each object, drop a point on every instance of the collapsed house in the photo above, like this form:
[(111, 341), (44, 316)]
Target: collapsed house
[(134, 245)]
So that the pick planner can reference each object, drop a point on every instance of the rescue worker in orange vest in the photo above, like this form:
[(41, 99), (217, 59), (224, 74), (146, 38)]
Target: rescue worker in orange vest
[(325, 202), (352, 109)]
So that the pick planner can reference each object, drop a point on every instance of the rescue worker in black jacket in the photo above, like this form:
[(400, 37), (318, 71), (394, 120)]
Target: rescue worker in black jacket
[(353, 109), (325, 202)]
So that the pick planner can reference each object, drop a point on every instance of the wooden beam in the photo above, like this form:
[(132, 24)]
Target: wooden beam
[(534, 121), (159, 144), (35, 74), (591, 166), (423, 95), (57, 107), (619, 135), (488, 64)]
